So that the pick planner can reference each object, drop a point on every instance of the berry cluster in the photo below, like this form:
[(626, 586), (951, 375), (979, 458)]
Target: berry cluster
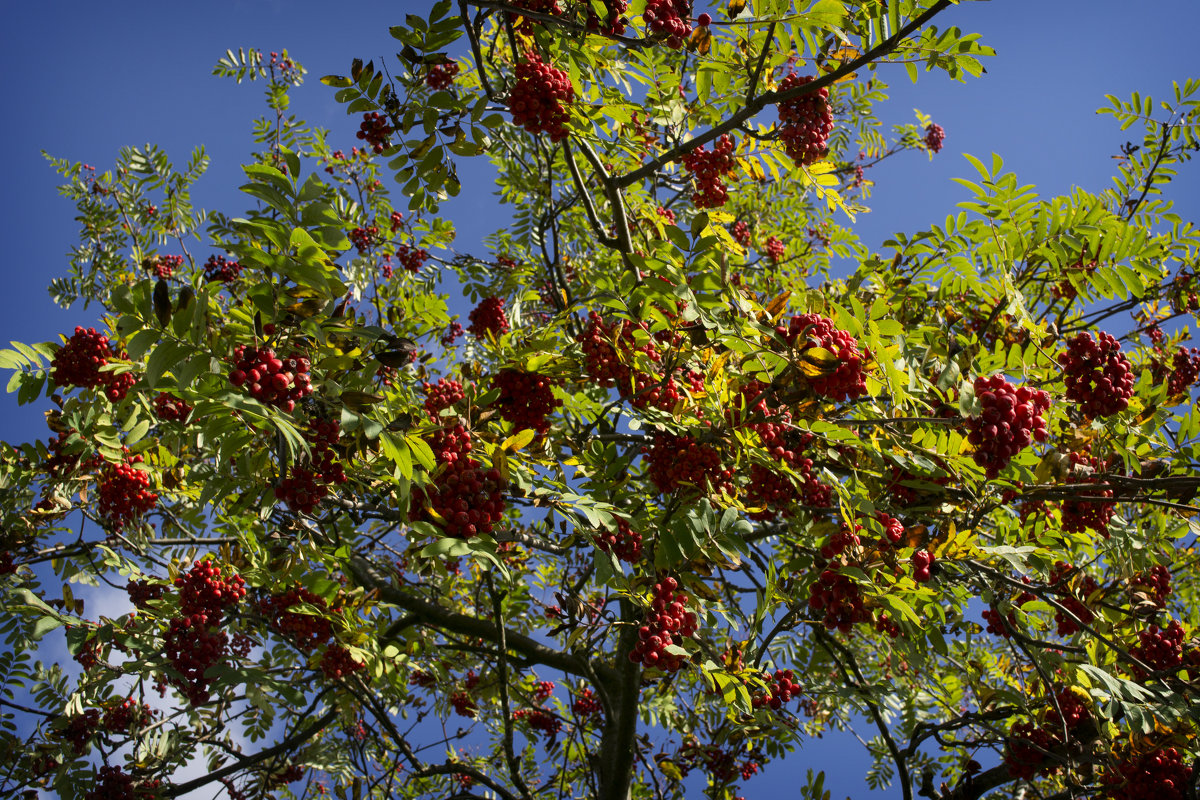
[(162, 266), (218, 269), (274, 381), (194, 642), (113, 784), (121, 717), (541, 720), (1157, 775), (586, 704), (78, 363), (707, 168), (306, 631), (337, 662), (669, 18), (169, 408), (846, 381), (441, 395), (143, 592), (80, 729), (411, 258), (1010, 419), (1027, 750), (834, 594), (740, 232), (625, 543), (526, 399), (308, 483), (1080, 515), (124, 493), (923, 563), (613, 24), (935, 135), (805, 122), (668, 623), (1161, 649), (1098, 376), (674, 461), (452, 333), (364, 239), (464, 705), (540, 97), (1155, 585), (440, 76), (1185, 369), (781, 688), (607, 347), (465, 499), (488, 317), (375, 131), (775, 250)]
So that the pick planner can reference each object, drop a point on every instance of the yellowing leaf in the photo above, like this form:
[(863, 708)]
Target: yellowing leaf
[(735, 7), (518, 440), (778, 305), (753, 168), (816, 362), (700, 40), (500, 462)]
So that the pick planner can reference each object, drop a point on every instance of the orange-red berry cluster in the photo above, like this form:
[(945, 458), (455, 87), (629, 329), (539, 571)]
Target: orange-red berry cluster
[(935, 135), (124, 493), (440, 76), (194, 642), (540, 97), (307, 631), (78, 363), (308, 483), (218, 269), (668, 623), (375, 131), (113, 784), (1098, 376), (674, 462), (1157, 775), (526, 399), (488, 317), (669, 18), (169, 408), (708, 168), (1010, 418), (625, 543), (847, 381), (278, 382), (781, 688), (805, 122)]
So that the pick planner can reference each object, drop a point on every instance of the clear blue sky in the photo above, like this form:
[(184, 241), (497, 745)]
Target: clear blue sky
[(84, 79)]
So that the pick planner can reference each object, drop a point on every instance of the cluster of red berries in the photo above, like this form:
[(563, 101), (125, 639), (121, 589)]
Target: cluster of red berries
[(923, 563), (613, 23), (1185, 369), (337, 662), (440, 76), (464, 705), (1161, 649), (775, 491), (169, 408), (113, 784), (540, 720), (935, 135), (1155, 584), (143, 592), (608, 347), (442, 395), (162, 266), (452, 333), (674, 462), (1098, 376), (194, 642), (375, 131), (805, 122), (1027, 750), (308, 483), (668, 623), (526, 399), (625, 543), (1009, 420), (1080, 515), (669, 18), (781, 688), (1060, 578), (540, 97), (847, 381), (364, 239), (306, 631), (707, 168), (124, 493), (740, 232), (775, 250), (78, 363), (465, 499), (586, 704), (80, 729), (121, 717), (275, 381), (834, 594), (488, 317), (721, 764), (411, 258), (59, 463), (1157, 775), (218, 269)]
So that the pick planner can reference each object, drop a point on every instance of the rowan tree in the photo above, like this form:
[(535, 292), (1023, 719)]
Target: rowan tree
[(708, 477)]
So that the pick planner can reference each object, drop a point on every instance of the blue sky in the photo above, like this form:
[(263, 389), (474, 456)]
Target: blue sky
[(84, 79)]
